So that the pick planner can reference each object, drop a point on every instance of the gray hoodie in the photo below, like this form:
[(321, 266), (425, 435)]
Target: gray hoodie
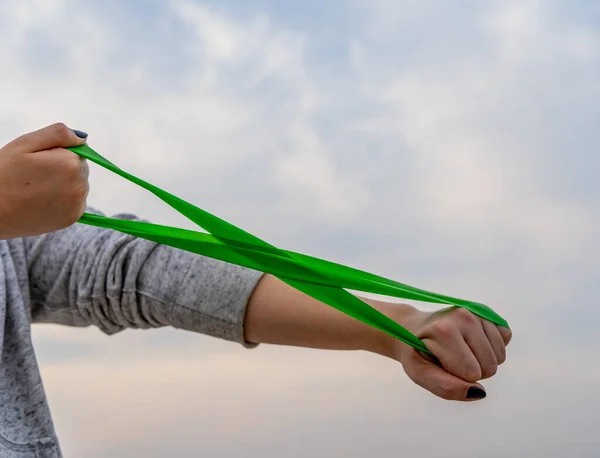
[(84, 276)]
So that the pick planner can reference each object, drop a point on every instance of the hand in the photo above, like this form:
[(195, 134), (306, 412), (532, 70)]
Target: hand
[(43, 187), (467, 349)]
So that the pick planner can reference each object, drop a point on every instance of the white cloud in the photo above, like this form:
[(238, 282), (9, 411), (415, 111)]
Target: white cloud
[(213, 120), (463, 121), (432, 158), (274, 399)]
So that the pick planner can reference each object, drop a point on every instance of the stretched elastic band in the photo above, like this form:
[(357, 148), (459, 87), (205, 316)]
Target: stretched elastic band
[(323, 280)]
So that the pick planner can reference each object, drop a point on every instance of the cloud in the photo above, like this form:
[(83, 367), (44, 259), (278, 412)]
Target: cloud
[(480, 132), (287, 402), (449, 146)]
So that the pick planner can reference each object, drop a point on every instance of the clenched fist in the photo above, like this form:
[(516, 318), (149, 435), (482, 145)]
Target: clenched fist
[(466, 349), (43, 187)]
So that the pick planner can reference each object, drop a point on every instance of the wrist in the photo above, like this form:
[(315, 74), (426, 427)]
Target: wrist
[(403, 314)]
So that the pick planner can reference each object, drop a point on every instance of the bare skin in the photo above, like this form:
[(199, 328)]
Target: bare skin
[(468, 348), (43, 188)]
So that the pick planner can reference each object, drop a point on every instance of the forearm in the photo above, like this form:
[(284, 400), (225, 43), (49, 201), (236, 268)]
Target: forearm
[(279, 314), (85, 275), (90, 276)]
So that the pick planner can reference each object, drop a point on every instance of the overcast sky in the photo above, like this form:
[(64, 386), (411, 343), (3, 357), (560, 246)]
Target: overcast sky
[(448, 145)]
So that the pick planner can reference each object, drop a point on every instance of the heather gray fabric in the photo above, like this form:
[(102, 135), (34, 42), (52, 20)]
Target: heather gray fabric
[(85, 276)]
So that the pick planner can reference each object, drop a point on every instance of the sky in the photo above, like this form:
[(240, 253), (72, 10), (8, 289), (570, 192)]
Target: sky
[(447, 145)]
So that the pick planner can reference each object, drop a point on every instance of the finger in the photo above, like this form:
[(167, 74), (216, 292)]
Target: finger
[(495, 338), (481, 347), (436, 380), (85, 170), (63, 158), (506, 334), (54, 136), (455, 356), (71, 167)]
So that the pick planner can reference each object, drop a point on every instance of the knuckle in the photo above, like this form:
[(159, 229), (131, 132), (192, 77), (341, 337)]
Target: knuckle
[(489, 371), (473, 374), (442, 329), (506, 335), (465, 316), (73, 167), (85, 168), (446, 391), (502, 356), (60, 131), (78, 192), (75, 196)]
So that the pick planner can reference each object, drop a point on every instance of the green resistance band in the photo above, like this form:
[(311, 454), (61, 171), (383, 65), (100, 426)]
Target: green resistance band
[(323, 280)]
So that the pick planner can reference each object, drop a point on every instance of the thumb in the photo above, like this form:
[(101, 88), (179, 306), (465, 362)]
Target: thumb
[(438, 381), (54, 136)]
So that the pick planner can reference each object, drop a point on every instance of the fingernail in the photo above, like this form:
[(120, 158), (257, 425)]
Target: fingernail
[(476, 393), (80, 134)]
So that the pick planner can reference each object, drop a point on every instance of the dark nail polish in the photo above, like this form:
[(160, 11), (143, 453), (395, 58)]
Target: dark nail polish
[(475, 393), (80, 134)]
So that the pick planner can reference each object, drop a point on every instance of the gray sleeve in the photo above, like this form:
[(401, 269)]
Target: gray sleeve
[(84, 275)]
